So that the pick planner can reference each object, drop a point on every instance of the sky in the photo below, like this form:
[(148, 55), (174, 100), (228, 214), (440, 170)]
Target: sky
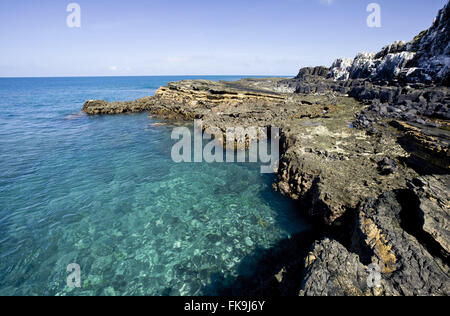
[(197, 37)]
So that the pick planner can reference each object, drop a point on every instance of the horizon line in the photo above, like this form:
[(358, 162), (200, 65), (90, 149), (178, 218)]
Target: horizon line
[(117, 76)]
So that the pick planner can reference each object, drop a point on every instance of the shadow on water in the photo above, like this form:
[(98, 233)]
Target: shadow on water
[(289, 216), (257, 270), (279, 270)]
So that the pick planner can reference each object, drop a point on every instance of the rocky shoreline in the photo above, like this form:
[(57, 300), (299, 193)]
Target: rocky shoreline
[(364, 152)]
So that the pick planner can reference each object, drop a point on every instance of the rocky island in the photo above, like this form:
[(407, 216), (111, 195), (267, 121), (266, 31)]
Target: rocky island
[(364, 152)]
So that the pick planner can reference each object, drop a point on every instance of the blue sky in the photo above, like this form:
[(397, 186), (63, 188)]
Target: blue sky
[(197, 37)]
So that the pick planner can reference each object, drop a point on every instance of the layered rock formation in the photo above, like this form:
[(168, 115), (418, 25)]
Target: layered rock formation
[(364, 152)]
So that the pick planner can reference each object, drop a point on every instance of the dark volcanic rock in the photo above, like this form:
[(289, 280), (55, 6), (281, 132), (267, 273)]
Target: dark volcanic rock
[(103, 107), (330, 270), (405, 233), (319, 71), (432, 212), (387, 166), (428, 147), (411, 261)]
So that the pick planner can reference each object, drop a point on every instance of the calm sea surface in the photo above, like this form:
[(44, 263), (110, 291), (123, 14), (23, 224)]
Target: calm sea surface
[(103, 192)]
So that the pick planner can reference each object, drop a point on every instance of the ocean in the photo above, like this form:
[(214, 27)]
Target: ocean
[(103, 192)]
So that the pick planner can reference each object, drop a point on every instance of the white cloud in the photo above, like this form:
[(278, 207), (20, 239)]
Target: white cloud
[(327, 2), (113, 68)]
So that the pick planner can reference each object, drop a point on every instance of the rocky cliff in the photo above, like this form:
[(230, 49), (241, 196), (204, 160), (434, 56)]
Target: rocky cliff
[(403, 80), (426, 59)]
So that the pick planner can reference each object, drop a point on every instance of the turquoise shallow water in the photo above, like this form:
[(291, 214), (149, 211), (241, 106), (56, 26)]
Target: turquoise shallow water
[(104, 193)]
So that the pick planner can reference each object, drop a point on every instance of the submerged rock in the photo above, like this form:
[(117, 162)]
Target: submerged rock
[(104, 107), (248, 242)]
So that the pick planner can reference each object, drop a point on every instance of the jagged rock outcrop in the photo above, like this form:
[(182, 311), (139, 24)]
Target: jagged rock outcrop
[(404, 232), (426, 59), (340, 69), (428, 147), (331, 270), (389, 229), (411, 102), (433, 50), (319, 71), (384, 66), (432, 198), (408, 81)]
